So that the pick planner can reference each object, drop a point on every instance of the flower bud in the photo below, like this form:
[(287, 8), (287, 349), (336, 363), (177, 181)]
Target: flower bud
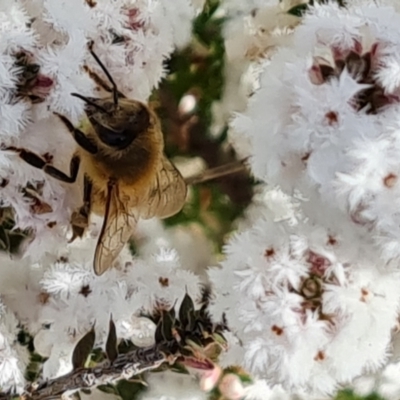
[(209, 378), (231, 387)]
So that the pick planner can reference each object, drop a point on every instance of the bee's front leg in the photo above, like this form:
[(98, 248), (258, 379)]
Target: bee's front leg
[(80, 217), (80, 138)]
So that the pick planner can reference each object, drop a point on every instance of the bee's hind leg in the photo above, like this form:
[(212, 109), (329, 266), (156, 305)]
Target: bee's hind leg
[(80, 217)]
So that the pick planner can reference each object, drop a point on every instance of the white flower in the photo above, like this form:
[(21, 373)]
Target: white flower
[(325, 118), (310, 315)]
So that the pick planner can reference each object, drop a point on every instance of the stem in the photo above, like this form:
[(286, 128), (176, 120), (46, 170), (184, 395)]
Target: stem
[(125, 366)]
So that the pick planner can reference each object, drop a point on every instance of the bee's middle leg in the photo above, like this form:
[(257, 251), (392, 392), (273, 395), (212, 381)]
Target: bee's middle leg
[(80, 217)]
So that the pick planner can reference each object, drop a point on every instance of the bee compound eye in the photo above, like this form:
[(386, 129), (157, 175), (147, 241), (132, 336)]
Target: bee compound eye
[(118, 140)]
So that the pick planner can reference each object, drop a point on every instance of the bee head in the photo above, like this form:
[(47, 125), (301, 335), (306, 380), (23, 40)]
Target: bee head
[(118, 125)]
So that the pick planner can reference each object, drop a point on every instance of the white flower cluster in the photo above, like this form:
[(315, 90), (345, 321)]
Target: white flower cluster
[(69, 288), (307, 301), (314, 304), (13, 357), (325, 120), (309, 284), (43, 59)]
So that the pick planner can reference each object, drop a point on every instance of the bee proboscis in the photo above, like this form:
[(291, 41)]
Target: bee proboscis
[(126, 173)]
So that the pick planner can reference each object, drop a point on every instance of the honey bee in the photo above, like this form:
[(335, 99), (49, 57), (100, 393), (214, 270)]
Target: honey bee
[(125, 171)]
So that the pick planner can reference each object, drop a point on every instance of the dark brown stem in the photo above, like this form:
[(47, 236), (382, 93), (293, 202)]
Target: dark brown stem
[(125, 366)]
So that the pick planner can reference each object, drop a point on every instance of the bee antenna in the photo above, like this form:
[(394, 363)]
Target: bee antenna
[(92, 103), (108, 75)]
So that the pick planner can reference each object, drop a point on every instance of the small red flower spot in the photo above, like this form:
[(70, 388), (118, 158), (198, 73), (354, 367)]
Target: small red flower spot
[(269, 252), (331, 240), (85, 291), (277, 330), (164, 282), (364, 294), (43, 297), (332, 117), (320, 356), (48, 158), (390, 180)]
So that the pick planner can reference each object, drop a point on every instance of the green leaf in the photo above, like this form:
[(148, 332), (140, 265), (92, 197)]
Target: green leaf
[(186, 311), (126, 346), (158, 336), (167, 326), (299, 10), (164, 328), (350, 395), (129, 390), (83, 349), (4, 239), (133, 247), (108, 389), (111, 344)]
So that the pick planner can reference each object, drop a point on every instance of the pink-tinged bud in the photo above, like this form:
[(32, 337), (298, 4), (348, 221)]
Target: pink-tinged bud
[(231, 387), (42, 86), (44, 81), (197, 363), (210, 378)]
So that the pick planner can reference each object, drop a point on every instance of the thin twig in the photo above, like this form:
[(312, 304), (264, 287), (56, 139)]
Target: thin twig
[(217, 172)]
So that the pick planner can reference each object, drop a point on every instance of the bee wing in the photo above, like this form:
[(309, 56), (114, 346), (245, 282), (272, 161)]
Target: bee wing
[(118, 226), (167, 194)]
